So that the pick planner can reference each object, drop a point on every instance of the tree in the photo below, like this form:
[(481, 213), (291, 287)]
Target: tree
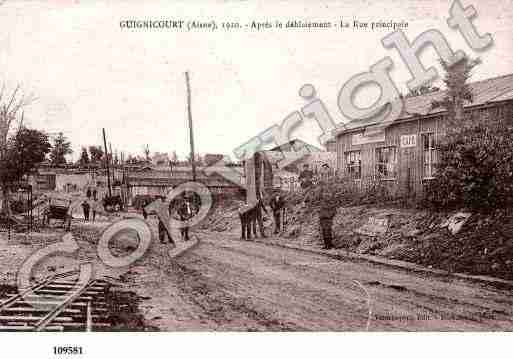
[(475, 168), (10, 108), (84, 157), (422, 90), (61, 148), (458, 90), (24, 151), (96, 153), (146, 151)]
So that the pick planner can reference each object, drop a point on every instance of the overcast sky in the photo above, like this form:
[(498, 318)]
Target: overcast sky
[(88, 73)]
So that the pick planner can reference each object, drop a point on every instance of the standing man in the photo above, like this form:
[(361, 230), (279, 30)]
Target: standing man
[(277, 204), (326, 213), (94, 207), (144, 204), (164, 234), (85, 208), (186, 211), (95, 194), (306, 177), (88, 193)]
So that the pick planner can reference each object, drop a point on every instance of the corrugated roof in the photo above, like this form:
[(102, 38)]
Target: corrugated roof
[(486, 91)]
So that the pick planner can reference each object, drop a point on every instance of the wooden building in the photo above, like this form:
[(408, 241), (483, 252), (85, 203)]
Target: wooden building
[(151, 181), (403, 155)]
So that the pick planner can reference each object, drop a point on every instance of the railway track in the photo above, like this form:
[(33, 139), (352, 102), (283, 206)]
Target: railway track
[(55, 305)]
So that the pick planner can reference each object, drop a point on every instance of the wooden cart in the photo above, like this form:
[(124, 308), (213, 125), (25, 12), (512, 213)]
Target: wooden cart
[(59, 209)]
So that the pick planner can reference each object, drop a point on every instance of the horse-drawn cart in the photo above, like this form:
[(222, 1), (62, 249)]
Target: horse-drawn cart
[(59, 209)]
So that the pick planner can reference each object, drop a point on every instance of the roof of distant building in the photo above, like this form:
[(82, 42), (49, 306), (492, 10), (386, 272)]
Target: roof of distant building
[(295, 145)]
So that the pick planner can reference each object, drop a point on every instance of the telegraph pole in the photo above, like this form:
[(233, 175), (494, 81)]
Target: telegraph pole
[(191, 134), (112, 164), (107, 162)]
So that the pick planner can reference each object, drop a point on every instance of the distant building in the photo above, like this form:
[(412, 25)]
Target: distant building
[(160, 159), (270, 171), (152, 181), (211, 159), (403, 155), (295, 145), (69, 180)]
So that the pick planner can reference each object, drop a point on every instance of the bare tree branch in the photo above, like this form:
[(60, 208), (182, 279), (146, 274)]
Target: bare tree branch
[(13, 97)]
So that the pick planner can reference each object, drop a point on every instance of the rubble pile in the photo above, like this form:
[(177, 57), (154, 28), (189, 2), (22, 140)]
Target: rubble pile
[(482, 245), (371, 224), (223, 216)]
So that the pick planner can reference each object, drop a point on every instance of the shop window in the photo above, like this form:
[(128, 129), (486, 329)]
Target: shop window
[(386, 162), (354, 164), (429, 155)]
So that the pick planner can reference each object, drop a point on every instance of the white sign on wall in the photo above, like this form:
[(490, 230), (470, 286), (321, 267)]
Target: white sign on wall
[(408, 141), (360, 138)]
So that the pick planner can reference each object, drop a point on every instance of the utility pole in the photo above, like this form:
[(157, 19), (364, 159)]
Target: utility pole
[(112, 164), (191, 134), (107, 163)]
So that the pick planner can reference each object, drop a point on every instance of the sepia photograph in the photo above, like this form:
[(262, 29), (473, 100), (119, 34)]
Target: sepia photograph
[(255, 166)]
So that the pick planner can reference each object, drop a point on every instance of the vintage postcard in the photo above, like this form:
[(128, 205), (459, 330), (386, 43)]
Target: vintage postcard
[(255, 166)]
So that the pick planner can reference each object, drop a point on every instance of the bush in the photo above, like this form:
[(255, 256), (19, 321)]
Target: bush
[(476, 167), (344, 191)]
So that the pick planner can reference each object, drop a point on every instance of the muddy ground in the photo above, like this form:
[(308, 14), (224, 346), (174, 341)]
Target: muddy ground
[(224, 284), (484, 246)]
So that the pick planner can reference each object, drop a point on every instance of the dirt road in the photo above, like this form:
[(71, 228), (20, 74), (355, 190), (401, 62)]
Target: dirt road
[(227, 284)]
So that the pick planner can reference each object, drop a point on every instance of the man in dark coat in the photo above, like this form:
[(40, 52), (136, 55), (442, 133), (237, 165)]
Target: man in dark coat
[(94, 208), (164, 234), (144, 204), (85, 208), (88, 193), (326, 213), (277, 204)]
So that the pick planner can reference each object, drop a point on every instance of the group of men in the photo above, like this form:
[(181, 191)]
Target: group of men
[(90, 204), (186, 208), (251, 216)]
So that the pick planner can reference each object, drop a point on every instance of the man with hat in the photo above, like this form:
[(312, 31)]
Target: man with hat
[(277, 204), (327, 211)]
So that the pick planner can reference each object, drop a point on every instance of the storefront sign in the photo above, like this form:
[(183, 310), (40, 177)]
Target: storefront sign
[(408, 141), (361, 139)]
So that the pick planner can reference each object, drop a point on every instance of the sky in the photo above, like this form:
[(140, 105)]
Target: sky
[(88, 73)]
